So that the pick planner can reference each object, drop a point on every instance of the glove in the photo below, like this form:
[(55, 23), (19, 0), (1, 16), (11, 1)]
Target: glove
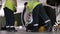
[(15, 10)]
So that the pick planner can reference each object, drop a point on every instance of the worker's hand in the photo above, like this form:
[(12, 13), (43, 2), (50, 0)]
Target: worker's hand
[(15, 11)]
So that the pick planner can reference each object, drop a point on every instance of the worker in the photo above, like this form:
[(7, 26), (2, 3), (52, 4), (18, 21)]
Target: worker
[(37, 10), (9, 9)]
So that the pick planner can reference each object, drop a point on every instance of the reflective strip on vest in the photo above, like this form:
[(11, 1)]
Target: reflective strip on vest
[(31, 7), (10, 4)]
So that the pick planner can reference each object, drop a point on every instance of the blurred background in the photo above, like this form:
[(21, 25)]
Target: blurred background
[(20, 7)]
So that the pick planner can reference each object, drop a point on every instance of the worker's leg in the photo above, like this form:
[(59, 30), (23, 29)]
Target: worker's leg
[(6, 18), (6, 12), (9, 18), (44, 16), (35, 20), (51, 13)]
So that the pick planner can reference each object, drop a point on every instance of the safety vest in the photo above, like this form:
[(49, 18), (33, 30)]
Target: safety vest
[(10, 4), (31, 7)]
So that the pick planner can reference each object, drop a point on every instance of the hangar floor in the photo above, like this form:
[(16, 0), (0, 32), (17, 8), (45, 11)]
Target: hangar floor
[(23, 32)]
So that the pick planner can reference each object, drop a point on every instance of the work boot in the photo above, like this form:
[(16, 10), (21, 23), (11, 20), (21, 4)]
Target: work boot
[(35, 29), (3, 28), (8, 29), (12, 29), (48, 27)]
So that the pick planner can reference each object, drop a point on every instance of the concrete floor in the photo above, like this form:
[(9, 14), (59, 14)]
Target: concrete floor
[(22, 32)]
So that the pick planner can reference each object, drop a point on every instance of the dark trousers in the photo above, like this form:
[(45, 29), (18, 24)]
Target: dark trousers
[(9, 15), (39, 13), (51, 13), (39, 16)]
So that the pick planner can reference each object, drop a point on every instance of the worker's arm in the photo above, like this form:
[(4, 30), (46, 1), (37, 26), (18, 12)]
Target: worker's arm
[(15, 2)]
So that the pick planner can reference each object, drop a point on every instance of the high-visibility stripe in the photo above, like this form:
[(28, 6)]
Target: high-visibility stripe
[(11, 26), (36, 24), (47, 21), (7, 26)]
